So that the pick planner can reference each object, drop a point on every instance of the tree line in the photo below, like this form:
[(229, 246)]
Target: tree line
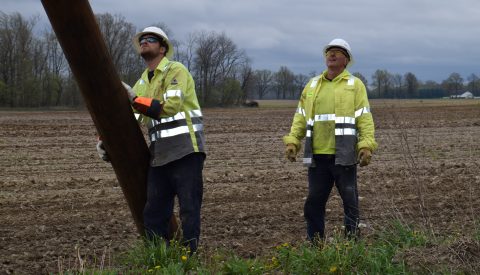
[(35, 73)]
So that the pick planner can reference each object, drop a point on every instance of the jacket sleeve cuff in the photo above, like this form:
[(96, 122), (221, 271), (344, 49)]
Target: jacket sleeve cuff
[(369, 145), (292, 140)]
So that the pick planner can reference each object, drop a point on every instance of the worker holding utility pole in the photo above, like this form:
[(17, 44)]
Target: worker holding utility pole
[(165, 98), (334, 115)]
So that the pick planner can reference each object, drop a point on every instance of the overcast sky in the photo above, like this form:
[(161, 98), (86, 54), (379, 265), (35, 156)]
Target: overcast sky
[(431, 39)]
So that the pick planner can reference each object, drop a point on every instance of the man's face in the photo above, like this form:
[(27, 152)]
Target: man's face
[(150, 47), (336, 58)]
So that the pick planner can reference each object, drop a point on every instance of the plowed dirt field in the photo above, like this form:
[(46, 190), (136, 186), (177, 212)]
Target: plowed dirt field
[(58, 200)]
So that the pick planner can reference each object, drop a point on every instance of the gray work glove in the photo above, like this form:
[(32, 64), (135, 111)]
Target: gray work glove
[(102, 153), (131, 94)]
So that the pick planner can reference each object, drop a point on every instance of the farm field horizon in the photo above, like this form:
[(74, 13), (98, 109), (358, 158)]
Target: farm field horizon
[(57, 198)]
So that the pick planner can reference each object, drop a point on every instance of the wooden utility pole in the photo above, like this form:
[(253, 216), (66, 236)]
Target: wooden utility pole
[(83, 45)]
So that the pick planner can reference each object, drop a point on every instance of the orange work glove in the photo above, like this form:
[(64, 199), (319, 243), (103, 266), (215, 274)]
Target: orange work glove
[(364, 157), (291, 152)]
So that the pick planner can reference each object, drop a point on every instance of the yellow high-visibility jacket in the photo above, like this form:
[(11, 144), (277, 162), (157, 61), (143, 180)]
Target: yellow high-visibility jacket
[(335, 118), (179, 131)]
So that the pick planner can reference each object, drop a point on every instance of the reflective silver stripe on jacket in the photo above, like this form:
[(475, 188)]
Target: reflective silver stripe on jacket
[(307, 156), (178, 116), (314, 82), (172, 93), (179, 130), (307, 161), (342, 120), (325, 117), (338, 120), (345, 132), (195, 113), (309, 129), (345, 119), (301, 111), (333, 117), (362, 111), (175, 131), (351, 80)]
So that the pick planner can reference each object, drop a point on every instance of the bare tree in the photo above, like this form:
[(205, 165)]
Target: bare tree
[(118, 34), (284, 80), (397, 85), (216, 60), (381, 82), (56, 66), (474, 84), (453, 84), (363, 79), (204, 63), (312, 74), (245, 76), (263, 80), (15, 59), (229, 57), (411, 84), (299, 82), (185, 52)]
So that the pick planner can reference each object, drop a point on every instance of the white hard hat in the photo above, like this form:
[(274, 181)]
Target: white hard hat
[(340, 43), (158, 32)]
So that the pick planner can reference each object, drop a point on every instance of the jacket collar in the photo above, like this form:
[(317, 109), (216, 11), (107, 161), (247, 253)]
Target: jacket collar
[(162, 66), (343, 75)]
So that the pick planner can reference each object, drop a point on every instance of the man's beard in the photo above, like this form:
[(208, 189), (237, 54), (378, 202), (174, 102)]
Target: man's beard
[(147, 56)]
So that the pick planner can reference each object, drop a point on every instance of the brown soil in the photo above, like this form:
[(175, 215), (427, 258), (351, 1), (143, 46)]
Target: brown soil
[(58, 200)]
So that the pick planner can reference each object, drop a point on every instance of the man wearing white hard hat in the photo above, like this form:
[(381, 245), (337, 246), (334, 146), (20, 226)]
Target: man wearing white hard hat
[(166, 101), (333, 116)]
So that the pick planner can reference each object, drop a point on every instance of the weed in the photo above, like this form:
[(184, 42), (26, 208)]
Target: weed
[(156, 256)]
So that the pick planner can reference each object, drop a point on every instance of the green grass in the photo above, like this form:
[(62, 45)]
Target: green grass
[(338, 255), (421, 103), (380, 103), (275, 103)]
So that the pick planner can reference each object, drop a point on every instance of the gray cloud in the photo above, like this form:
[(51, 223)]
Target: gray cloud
[(428, 38)]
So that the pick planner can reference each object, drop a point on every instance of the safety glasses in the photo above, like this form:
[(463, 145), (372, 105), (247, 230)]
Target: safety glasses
[(149, 39), (335, 52)]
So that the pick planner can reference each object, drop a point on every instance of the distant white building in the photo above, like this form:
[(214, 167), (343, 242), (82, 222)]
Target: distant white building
[(467, 94)]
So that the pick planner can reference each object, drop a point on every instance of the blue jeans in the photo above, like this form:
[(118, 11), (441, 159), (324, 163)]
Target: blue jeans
[(321, 179), (181, 178)]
